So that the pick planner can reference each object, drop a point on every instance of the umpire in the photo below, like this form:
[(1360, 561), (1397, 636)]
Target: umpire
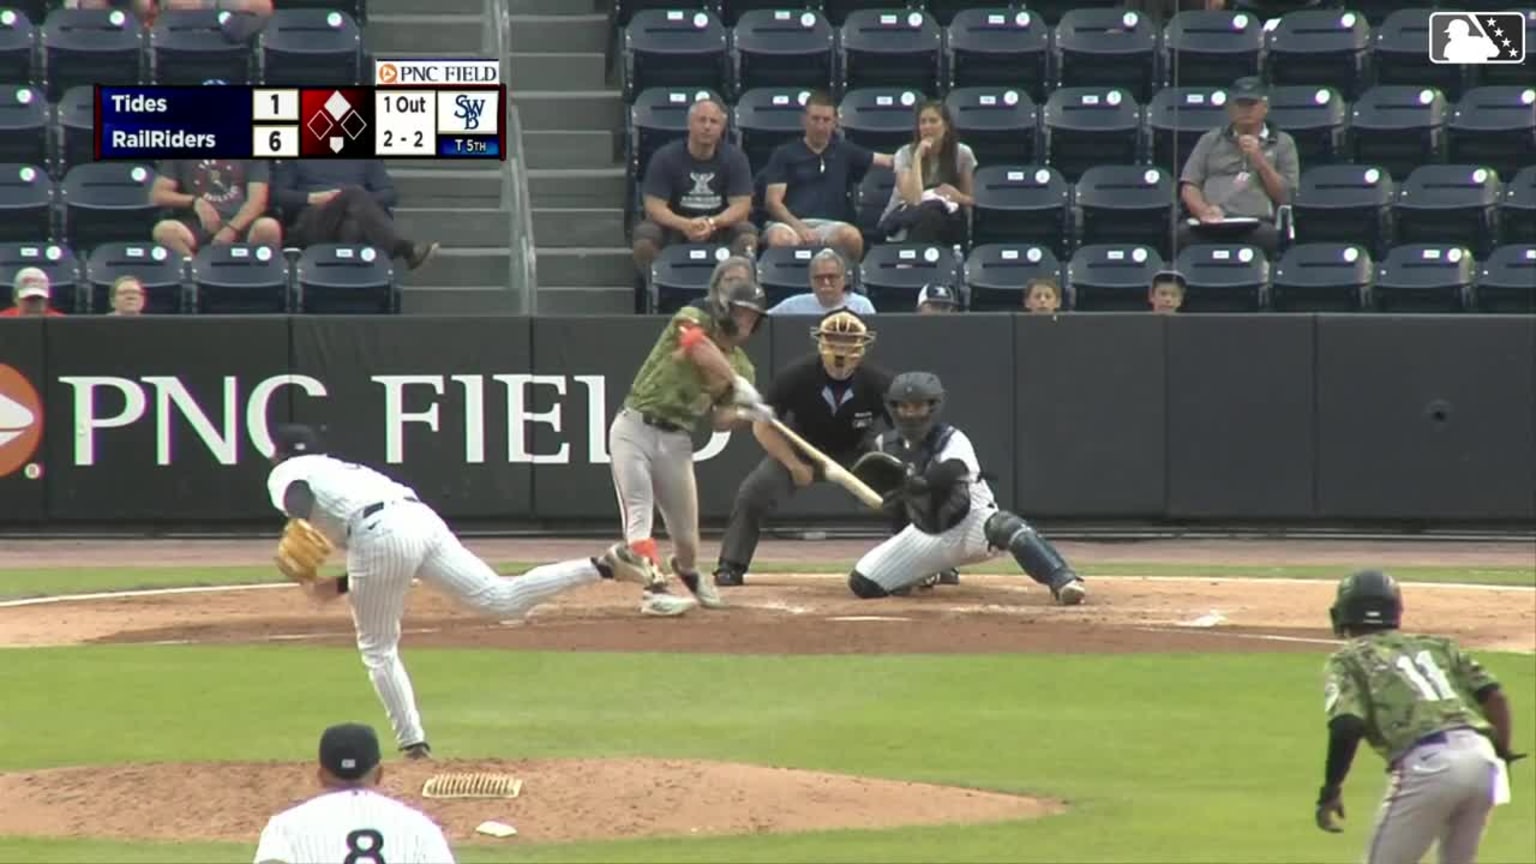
[(832, 398)]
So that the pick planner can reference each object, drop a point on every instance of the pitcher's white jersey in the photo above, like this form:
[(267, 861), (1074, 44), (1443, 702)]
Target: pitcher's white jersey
[(359, 826), (341, 490)]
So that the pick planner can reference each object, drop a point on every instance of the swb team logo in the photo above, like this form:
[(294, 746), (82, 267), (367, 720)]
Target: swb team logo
[(1466, 38), (473, 112), (469, 110)]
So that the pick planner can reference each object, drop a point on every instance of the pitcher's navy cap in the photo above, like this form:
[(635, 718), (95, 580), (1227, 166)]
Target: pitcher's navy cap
[(296, 439), (349, 750)]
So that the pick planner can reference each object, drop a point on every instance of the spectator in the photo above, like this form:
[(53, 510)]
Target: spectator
[(829, 290), (936, 299), (697, 190), (934, 180), (1042, 294), (213, 201), (1162, 10), (33, 289), (343, 201), (1166, 294), (148, 10), (127, 296), (807, 181), (1244, 170)]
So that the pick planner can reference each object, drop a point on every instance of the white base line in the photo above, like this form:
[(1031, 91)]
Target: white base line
[(1225, 634), (146, 592)]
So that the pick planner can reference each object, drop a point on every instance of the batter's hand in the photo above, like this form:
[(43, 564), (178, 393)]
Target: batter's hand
[(802, 474), (1329, 804), (744, 394)]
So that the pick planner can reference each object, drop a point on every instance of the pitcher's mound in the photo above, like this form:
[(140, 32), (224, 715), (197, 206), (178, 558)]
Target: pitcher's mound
[(584, 799)]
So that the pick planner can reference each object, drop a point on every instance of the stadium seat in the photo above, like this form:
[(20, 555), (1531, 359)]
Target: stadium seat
[(1021, 204), (1507, 280), (659, 115), (334, 278), (90, 46), (674, 48), (785, 271), (1494, 126), (1126, 204), (1400, 54), (998, 48), (1319, 47), (18, 43), (782, 49), (1449, 204), (732, 11), (240, 280), (1055, 10), (999, 124), (1507, 73), (1315, 118), (357, 9), (1209, 48), (624, 10), (311, 47), (1517, 211), (1107, 48), (1322, 277), (57, 261), (889, 48), (1345, 204), (767, 117), (893, 274), (837, 11), (188, 47), (1378, 12), (35, 11), (1177, 117), (880, 118), (1112, 277), (1224, 278), (680, 274), (156, 268), (1086, 126), (107, 202), (26, 202), (76, 123), (995, 274), (1398, 128), (870, 198), (1419, 277), (23, 126)]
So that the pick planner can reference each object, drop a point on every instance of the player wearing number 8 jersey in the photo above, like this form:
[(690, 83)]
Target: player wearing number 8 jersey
[(351, 822)]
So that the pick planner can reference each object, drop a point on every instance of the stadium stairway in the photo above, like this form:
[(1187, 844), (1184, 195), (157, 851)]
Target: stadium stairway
[(458, 205)]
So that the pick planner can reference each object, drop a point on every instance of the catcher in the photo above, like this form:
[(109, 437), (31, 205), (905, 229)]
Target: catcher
[(833, 399), (953, 518), (389, 538)]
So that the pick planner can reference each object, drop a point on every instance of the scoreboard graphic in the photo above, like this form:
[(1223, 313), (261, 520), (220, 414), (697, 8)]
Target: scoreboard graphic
[(452, 121)]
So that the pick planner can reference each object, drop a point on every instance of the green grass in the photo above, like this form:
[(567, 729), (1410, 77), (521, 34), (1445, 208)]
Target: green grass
[(1164, 758), (18, 584)]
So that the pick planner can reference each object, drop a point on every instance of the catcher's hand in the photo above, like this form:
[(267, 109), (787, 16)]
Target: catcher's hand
[(881, 472), (301, 550)]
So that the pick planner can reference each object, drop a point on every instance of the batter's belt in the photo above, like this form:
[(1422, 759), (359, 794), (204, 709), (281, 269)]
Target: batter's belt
[(661, 423)]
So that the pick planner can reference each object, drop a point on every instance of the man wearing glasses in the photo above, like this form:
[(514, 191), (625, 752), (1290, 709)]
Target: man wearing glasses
[(829, 290)]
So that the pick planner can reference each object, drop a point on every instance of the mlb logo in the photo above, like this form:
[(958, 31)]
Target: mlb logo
[(1477, 38)]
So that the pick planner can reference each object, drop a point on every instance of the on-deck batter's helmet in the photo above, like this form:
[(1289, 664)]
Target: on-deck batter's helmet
[(734, 284), (295, 439), (908, 387), (1369, 598), (841, 337)]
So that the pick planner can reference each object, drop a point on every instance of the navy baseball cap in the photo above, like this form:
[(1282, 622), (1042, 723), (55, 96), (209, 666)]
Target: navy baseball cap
[(296, 439), (937, 294), (349, 750), (1249, 89)]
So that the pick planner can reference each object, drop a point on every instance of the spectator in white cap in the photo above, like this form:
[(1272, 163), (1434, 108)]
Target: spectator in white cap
[(33, 291), (936, 299)]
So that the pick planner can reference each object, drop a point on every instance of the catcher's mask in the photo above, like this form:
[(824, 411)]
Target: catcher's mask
[(914, 400), (841, 338), (295, 439), (1369, 598), (734, 285)]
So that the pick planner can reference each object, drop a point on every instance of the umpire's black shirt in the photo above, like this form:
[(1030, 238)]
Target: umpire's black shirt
[(837, 417)]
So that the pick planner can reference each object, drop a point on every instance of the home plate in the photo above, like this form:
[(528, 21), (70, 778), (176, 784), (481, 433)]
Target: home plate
[(869, 618)]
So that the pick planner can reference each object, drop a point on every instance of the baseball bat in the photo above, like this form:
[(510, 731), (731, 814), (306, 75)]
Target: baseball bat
[(830, 469)]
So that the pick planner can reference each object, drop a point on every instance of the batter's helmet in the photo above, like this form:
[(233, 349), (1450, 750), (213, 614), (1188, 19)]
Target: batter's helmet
[(1369, 598), (915, 387), (728, 290)]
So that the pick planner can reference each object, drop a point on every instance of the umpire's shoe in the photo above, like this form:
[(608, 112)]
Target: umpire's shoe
[(702, 589), (1070, 591), (730, 577)]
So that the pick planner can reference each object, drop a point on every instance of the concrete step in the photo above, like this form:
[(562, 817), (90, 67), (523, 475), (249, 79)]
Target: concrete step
[(449, 300), (437, 32), (412, 7), (465, 187), (588, 34), (576, 187), (563, 227), (545, 110), (583, 266), (456, 226), (471, 267), (555, 7), (572, 71), (575, 148), (586, 300)]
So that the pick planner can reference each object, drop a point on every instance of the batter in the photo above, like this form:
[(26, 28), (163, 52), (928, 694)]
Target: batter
[(390, 538), (697, 368), (953, 517)]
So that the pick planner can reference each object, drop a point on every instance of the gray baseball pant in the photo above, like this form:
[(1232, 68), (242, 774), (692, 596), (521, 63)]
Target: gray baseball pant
[(1441, 790), (653, 470)]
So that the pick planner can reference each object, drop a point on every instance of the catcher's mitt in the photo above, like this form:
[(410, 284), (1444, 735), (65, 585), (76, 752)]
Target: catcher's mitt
[(301, 550), (881, 472)]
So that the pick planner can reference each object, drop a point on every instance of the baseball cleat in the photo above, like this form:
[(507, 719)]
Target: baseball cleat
[(627, 565), (949, 577), (1071, 592), (417, 751), (725, 577), (702, 589), (659, 604)]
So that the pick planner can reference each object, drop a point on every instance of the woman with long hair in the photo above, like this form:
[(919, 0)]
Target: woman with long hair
[(935, 177)]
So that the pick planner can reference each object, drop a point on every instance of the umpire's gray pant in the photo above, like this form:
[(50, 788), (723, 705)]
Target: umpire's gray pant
[(1441, 790)]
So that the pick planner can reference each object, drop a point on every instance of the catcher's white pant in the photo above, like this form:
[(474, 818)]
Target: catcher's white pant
[(911, 555), (407, 540)]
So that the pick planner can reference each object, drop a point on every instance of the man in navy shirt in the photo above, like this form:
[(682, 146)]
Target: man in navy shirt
[(343, 201), (806, 184)]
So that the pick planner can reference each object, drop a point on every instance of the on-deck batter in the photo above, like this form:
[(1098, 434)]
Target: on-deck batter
[(390, 538), (697, 367), (953, 518)]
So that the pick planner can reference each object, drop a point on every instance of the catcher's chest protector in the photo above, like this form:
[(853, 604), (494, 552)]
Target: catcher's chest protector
[(921, 455)]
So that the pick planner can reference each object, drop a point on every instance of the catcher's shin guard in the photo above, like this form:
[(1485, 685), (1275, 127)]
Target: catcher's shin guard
[(1034, 553)]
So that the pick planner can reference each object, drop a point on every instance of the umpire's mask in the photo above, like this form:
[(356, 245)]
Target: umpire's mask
[(841, 338)]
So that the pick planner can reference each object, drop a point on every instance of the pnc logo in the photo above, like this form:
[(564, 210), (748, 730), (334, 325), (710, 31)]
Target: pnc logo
[(21, 421), (389, 73)]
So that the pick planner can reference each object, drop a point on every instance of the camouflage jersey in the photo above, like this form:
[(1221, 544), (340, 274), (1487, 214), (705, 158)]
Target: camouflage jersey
[(671, 388), (1405, 687)]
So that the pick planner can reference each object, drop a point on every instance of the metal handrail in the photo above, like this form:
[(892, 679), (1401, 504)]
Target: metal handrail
[(496, 42)]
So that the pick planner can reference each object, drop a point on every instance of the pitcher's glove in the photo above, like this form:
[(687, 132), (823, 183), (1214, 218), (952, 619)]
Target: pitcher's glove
[(301, 550)]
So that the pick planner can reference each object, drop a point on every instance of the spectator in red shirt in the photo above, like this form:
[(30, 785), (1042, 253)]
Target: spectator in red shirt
[(33, 290)]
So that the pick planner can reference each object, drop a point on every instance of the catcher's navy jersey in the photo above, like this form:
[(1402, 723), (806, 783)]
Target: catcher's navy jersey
[(341, 490)]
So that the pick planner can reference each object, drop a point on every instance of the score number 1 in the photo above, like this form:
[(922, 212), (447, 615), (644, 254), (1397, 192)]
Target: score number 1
[(281, 108)]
